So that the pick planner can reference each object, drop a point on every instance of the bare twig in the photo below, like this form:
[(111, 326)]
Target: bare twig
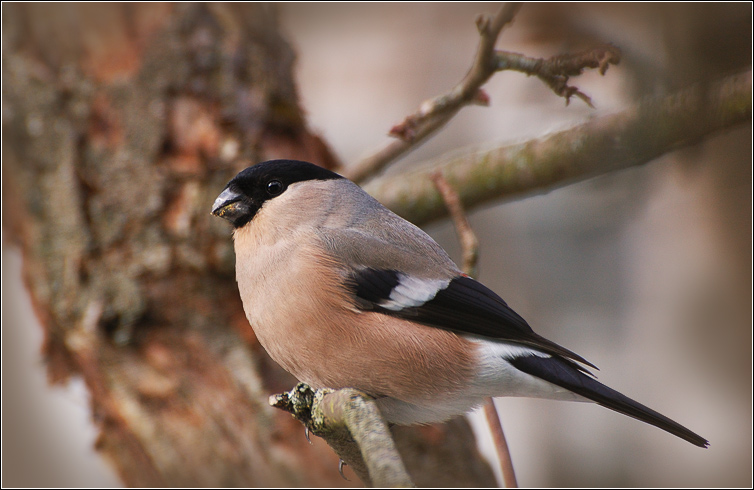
[(470, 249), (437, 112), (352, 425), (469, 242), (631, 137), (498, 436), (556, 71)]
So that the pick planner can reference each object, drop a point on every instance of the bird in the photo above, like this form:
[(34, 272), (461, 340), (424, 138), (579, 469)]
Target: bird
[(343, 293)]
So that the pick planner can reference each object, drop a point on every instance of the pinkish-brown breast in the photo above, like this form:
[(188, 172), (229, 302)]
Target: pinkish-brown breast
[(308, 324)]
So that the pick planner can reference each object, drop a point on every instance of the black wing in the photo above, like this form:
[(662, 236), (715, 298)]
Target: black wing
[(460, 304)]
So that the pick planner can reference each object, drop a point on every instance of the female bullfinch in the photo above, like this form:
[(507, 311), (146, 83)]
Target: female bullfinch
[(342, 292)]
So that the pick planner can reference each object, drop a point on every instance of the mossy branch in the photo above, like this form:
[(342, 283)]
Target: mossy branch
[(353, 426)]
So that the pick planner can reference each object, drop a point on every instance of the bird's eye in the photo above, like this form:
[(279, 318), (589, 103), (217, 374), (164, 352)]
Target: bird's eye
[(274, 187)]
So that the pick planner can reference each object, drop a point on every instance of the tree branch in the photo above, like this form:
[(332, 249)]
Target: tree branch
[(631, 137), (556, 71), (466, 235), (353, 426), (435, 113), (501, 444)]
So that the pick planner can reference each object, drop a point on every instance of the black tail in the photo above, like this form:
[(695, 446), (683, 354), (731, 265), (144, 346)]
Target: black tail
[(562, 373)]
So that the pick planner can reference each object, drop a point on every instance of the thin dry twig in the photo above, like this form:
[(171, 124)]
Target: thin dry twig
[(435, 113), (498, 436), (467, 237), (470, 248), (556, 71)]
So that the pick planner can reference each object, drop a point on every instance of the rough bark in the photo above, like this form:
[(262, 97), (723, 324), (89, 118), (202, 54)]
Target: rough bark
[(121, 123)]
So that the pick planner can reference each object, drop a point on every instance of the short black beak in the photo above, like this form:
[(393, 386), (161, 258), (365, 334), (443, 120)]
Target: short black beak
[(230, 206)]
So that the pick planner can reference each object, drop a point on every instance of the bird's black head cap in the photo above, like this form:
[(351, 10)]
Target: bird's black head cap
[(252, 187)]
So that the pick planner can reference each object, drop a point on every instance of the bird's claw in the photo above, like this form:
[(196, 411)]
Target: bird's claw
[(306, 434), (341, 463)]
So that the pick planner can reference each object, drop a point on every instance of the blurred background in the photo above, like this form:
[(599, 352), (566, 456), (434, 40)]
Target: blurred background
[(646, 272)]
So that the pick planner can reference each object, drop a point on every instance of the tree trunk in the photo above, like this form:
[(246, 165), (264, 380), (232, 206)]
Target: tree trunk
[(121, 124)]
